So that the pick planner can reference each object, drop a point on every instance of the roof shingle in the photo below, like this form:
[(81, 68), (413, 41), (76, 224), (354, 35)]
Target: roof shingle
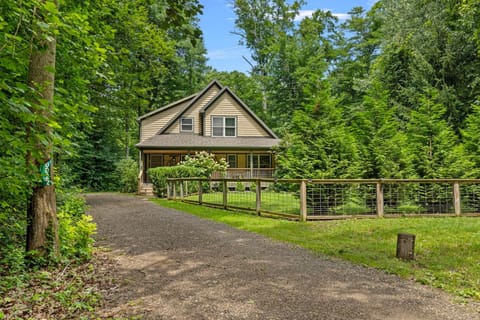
[(196, 142)]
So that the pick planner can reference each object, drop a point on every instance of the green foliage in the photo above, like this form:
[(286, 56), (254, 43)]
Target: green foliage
[(149, 54), (353, 205), (205, 163), (239, 186), (65, 291), (126, 172), (12, 237), (160, 175), (75, 227), (201, 165), (315, 148)]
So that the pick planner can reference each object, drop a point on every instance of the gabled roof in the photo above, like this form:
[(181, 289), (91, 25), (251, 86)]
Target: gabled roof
[(171, 105), (226, 90), (198, 97)]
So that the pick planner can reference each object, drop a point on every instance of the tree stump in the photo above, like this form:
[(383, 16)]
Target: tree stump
[(406, 246)]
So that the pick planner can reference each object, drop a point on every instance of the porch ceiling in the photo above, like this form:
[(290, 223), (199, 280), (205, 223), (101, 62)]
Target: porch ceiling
[(196, 142)]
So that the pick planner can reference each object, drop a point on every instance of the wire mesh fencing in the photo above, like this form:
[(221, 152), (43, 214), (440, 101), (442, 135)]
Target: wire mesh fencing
[(470, 198), (340, 199), (332, 199), (418, 198)]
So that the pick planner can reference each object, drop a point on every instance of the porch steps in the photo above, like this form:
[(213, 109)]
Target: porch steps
[(146, 189)]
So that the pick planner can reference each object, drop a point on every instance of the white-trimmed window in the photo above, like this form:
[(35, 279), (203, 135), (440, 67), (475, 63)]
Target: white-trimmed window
[(232, 160), (186, 124), (259, 161), (224, 126)]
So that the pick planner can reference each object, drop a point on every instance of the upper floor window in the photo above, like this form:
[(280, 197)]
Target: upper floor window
[(224, 126), (186, 124)]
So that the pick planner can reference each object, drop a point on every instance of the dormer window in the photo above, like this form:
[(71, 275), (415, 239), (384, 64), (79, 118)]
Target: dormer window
[(224, 126), (186, 124)]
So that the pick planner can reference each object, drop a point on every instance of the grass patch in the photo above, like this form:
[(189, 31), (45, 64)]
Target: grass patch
[(447, 249)]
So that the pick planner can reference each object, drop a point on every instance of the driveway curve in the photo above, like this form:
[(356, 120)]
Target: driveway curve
[(173, 265)]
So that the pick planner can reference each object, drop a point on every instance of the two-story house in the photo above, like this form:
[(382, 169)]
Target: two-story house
[(214, 120)]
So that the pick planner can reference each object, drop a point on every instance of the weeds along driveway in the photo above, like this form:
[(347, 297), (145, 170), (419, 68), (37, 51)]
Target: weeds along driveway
[(173, 265)]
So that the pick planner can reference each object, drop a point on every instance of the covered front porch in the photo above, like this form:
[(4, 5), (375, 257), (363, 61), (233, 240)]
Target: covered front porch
[(242, 164)]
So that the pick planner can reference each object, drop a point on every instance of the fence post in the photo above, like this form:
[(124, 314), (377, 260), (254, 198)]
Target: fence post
[(225, 199), (200, 191), (303, 200), (168, 190), (181, 189), (258, 198), (380, 208), (456, 198), (174, 189)]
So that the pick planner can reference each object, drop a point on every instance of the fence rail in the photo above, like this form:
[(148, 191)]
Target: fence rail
[(315, 199)]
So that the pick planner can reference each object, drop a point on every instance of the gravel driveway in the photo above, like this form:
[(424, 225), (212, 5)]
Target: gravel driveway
[(173, 265)]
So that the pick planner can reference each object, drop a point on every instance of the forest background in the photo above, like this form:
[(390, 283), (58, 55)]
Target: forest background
[(389, 93)]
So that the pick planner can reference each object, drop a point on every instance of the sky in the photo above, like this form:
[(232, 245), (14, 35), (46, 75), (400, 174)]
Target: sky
[(218, 21)]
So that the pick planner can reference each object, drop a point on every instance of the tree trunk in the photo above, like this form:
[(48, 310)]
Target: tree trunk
[(42, 229)]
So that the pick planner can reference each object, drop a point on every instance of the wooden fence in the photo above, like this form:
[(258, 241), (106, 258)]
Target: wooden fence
[(315, 199)]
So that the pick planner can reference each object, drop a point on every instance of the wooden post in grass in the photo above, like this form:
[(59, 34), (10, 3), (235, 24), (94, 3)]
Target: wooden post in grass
[(405, 246), (181, 189), (303, 200), (258, 198), (456, 198), (225, 199), (168, 190), (174, 189), (200, 191), (380, 208)]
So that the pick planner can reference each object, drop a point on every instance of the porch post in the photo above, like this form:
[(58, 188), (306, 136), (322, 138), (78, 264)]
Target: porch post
[(251, 164), (140, 174)]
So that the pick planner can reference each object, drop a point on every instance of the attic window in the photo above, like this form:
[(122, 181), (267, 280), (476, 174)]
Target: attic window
[(186, 124), (224, 126)]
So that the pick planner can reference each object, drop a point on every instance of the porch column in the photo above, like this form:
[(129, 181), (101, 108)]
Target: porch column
[(140, 173), (251, 164), (140, 165)]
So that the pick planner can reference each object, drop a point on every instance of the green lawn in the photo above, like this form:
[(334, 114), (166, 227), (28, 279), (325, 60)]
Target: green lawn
[(281, 202), (447, 249)]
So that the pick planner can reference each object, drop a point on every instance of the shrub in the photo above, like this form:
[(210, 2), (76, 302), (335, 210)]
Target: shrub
[(201, 165), (160, 175), (126, 172), (75, 228), (12, 238), (205, 163), (240, 186)]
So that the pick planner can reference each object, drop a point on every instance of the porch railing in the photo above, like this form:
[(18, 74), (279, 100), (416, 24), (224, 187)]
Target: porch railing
[(245, 173), (333, 199)]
